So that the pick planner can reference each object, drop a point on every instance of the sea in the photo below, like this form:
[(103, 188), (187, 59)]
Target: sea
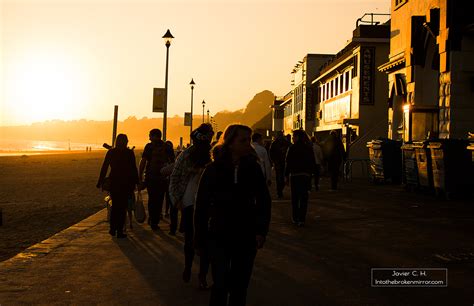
[(12, 147)]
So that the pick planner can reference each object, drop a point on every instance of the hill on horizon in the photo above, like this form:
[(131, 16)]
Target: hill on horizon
[(98, 132)]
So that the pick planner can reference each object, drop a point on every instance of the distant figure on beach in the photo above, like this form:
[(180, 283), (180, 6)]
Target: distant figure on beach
[(156, 155), (123, 180), (334, 154), (232, 216), (318, 158), (184, 182), (300, 164), (278, 150), (264, 160)]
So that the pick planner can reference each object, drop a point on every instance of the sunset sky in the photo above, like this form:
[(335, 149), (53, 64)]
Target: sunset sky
[(73, 59)]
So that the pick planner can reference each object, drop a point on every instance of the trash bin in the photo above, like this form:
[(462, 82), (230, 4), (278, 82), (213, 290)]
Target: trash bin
[(451, 162), (410, 170), (423, 162), (385, 160)]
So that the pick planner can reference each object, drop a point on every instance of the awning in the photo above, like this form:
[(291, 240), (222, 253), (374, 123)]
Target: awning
[(392, 64)]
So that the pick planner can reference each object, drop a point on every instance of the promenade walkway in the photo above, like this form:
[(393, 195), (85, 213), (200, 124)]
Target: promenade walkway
[(325, 263)]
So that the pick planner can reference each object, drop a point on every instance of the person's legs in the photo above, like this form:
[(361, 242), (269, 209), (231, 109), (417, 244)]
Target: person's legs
[(220, 264), (240, 274), (305, 186), (173, 219), (188, 213), (295, 198), (317, 174), (113, 216), (280, 179), (168, 204), (119, 211), (155, 204), (204, 265), (334, 171)]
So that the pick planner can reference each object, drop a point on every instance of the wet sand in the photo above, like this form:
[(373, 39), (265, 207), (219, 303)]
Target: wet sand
[(41, 195)]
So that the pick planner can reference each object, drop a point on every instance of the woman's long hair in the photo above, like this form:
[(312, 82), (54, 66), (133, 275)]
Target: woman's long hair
[(121, 141), (221, 151), (200, 152), (302, 137)]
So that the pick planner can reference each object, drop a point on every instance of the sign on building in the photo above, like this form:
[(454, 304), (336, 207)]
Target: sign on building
[(187, 119), (367, 75), (159, 100)]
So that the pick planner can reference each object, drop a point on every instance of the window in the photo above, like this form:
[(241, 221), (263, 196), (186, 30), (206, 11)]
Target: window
[(399, 3), (347, 78)]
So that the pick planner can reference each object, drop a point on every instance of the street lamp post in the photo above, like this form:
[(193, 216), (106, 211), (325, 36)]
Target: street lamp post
[(203, 106), (208, 116), (192, 94), (167, 37)]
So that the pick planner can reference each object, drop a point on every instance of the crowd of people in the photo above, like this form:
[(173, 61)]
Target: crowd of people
[(220, 186)]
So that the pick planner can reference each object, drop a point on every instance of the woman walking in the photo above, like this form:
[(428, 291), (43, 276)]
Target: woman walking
[(300, 165), (184, 182), (232, 215), (123, 180)]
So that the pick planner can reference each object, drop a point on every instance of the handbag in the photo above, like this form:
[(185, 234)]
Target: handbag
[(108, 204), (140, 214)]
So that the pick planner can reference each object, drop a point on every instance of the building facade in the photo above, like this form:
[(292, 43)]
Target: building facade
[(298, 106), (351, 92), (430, 69)]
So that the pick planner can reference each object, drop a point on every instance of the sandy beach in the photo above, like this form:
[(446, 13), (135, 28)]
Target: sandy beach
[(41, 195)]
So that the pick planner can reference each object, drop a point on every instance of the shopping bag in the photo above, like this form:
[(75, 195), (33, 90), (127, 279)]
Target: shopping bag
[(140, 214), (108, 204)]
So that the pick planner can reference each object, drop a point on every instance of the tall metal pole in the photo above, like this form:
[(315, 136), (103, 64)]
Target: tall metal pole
[(165, 113), (203, 106), (191, 127), (208, 116), (114, 131)]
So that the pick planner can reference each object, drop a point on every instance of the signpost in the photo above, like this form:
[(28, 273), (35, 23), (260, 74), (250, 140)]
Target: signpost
[(187, 119), (159, 95)]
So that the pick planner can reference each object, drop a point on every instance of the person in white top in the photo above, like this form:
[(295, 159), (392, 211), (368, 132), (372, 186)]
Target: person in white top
[(318, 156), (263, 159)]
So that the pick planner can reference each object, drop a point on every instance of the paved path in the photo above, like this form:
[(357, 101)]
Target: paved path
[(326, 263)]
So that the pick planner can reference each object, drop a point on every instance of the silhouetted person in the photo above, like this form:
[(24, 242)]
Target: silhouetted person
[(263, 159), (156, 155), (167, 199), (232, 216), (318, 157), (123, 180), (334, 154), (184, 183), (300, 166), (278, 150), (218, 137)]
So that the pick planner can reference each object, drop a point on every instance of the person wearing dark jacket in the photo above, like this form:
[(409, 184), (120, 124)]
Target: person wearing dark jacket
[(335, 154), (300, 165), (232, 215), (156, 155), (123, 180), (278, 150)]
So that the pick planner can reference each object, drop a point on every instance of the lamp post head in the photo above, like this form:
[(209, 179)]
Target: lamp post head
[(208, 112), (192, 83), (203, 103), (168, 37)]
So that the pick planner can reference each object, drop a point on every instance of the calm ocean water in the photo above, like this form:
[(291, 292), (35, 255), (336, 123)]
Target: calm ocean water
[(12, 147)]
